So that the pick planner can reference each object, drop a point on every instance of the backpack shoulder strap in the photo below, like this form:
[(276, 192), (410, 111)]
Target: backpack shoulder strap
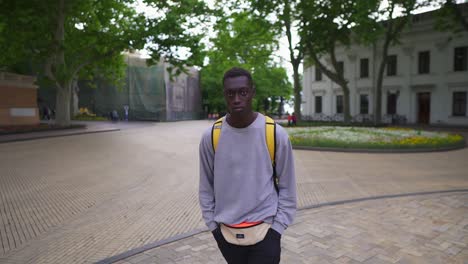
[(215, 133), (270, 136)]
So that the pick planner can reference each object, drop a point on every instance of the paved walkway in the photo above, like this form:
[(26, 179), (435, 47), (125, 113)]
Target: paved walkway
[(91, 127), (84, 198), (419, 229)]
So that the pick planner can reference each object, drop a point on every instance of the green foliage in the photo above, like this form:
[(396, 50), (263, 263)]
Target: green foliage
[(68, 40), (450, 17), (173, 32), (283, 15), (326, 24), (248, 41)]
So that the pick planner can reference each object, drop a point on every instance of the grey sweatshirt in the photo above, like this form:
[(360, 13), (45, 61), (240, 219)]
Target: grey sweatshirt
[(236, 184)]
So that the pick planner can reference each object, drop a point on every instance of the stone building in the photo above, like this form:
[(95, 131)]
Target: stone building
[(425, 81)]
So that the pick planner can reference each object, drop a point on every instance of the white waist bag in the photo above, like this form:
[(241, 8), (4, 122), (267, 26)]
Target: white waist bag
[(245, 236)]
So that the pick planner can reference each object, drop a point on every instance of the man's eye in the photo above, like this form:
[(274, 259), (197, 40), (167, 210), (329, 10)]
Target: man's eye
[(243, 93)]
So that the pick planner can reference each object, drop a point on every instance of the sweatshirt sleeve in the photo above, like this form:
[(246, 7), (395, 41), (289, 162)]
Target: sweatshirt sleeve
[(287, 181), (206, 188)]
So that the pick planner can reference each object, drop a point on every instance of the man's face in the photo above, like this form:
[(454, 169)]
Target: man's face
[(238, 93)]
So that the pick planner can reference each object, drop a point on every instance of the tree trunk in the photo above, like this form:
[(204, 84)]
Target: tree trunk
[(297, 92), (62, 105), (378, 85), (378, 96), (393, 28), (74, 100), (346, 106), (295, 60), (280, 107), (338, 78), (62, 86)]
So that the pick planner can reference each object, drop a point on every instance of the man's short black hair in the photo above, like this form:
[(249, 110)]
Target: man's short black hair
[(237, 72)]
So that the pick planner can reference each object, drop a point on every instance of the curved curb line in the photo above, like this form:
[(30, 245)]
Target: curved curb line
[(156, 244), (389, 151), (150, 246), (379, 198), (59, 135)]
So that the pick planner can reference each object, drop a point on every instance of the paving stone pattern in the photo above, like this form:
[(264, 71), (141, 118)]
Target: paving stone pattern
[(419, 229), (81, 199)]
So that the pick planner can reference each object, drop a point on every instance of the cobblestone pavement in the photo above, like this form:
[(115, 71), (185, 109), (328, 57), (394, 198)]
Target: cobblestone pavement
[(91, 127), (418, 229), (81, 199)]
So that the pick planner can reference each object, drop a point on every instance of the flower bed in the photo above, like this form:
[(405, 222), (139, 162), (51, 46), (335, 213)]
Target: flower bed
[(372, 138), (86, 115)]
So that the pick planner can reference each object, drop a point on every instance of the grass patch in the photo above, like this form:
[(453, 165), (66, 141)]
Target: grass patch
[(84, 117)]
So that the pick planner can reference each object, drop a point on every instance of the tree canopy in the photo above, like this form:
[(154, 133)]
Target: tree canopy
[(327, 25), (63, 40), (71, 39), (248, 41)]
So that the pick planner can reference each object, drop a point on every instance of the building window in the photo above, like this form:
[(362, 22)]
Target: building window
[(460, 59), (340, 67), (318, 104), (424, 61), (364, 104), (318, 74), (391, 104), (339, 104), (459, 104), (391, 65), (364, 68)]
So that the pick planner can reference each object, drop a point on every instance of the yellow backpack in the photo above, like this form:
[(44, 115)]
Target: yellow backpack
[(270, 136)]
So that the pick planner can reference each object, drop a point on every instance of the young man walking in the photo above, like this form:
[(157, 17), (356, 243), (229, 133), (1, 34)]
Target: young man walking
[(243, 205)]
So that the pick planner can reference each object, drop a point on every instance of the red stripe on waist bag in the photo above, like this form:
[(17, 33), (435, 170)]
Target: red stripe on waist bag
[(244, 224)]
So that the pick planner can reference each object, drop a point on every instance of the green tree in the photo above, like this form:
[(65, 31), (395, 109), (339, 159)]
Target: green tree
[(451, 17), (326, 25), (387, 33), (74, 38), (281, 14), (248, 41)]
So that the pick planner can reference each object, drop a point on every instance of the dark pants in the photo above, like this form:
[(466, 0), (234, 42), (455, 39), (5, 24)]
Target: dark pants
[(267, 251)]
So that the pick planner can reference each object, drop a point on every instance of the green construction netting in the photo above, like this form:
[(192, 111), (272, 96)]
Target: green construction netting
[(148, 92)]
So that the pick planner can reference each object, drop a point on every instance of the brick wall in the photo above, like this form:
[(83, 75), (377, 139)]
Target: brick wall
[(18, 100)]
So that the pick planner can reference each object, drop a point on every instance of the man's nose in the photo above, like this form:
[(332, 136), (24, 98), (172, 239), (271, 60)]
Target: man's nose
[(236, 98)]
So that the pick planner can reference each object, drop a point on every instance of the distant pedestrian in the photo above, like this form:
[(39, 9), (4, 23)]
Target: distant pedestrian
[(46, 113), (115, 116), (293, 119), (126, 112), (289, 119)]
